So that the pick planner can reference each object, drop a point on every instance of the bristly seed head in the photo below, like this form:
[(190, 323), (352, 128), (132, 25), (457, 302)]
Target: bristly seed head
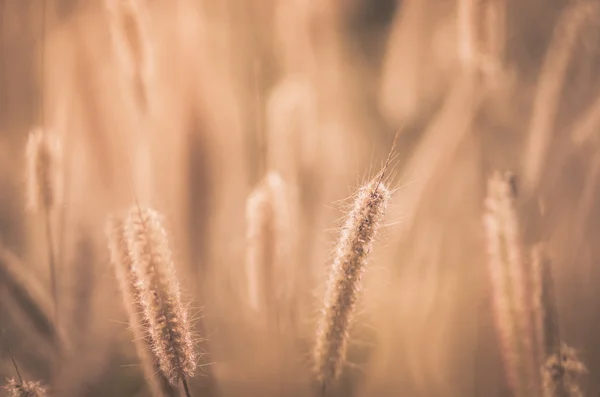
[(561, 374), (120, 257), (345, 278), (510, 294), (268, 235), (25, 389), (160, 297), (44, 179), (131, 30)]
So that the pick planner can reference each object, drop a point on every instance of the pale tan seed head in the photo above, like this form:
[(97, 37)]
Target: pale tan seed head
[(160, 296), (268, 235), (129, 25), (15, 388), (344, 284), (120, 256), (44, 172), (122, 261), (561, 374), (506, 267)]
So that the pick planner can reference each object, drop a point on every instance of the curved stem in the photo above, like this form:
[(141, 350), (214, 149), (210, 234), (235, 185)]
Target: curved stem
[(51, 262), (185, 387)]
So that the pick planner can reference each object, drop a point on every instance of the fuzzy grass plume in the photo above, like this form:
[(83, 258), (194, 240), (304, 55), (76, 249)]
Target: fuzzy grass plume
[(482, 35), (160, 296), (353, 248), (128, 283), (130, 31), (560, 366), (15, 388), (268, 234), (561, 374), (44, 191), (508, 280), (44, 182)]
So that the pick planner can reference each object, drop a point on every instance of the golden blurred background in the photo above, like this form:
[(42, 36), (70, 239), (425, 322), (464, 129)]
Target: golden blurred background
[(190, 114)]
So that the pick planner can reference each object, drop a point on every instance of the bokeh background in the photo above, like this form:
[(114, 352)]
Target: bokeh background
[(315, 90)]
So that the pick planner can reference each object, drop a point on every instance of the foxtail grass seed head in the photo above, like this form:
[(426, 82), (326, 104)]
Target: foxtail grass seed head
[(121, 259), (353, 248), (268, 235), (512, 309), (130, 31), (160, 296), (25, 389), (561, 374), (122, 262), (44, 178)]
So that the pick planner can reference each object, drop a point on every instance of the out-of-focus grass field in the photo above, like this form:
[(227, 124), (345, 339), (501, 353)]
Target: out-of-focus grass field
[(315, 90)]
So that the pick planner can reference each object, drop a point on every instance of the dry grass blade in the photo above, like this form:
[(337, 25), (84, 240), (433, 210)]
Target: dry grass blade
[(31, 297), (571, 27), (586, 128), (482, 40)]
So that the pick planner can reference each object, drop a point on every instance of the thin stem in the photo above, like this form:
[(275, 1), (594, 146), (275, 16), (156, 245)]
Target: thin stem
[(185, 387), (12, 358), (51, 263)]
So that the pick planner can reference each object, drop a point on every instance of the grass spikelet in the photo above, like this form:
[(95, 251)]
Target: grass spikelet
[(268, 234), (44, 188), (511, 307), (561, 368), (15, 388), (353, 248), (572, 26), (160, 296), (129, 28), (124, 270), (44, 183), (482, 35), (561, 374)]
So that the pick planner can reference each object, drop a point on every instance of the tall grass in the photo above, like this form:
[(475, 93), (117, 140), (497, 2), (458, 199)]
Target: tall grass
[(245, 123)]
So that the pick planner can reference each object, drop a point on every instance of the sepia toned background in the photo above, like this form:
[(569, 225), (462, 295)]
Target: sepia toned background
[(315, 90)]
